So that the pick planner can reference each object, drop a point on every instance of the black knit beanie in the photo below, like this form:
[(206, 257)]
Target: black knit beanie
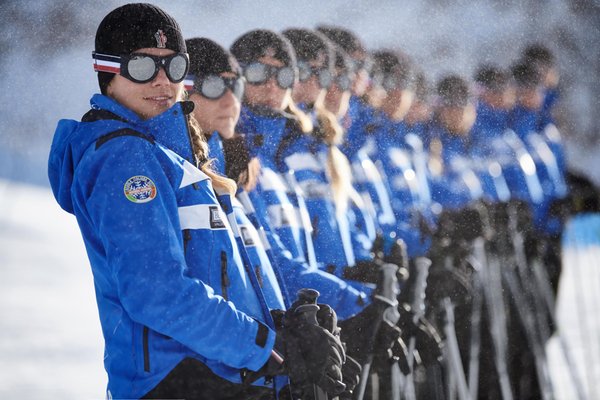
[(310, 45), (132, 27), (453, 91), (261, 42), (209, 58), (492, 78)]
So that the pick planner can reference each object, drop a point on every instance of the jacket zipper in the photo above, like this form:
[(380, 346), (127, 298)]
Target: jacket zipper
[(224, 276), (146, 351)]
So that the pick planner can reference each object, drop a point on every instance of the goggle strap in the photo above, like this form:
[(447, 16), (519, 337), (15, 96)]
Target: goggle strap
[(106, 63), (188, 82)]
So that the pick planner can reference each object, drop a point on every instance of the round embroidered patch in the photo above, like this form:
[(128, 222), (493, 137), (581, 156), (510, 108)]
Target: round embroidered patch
[(139, 189)]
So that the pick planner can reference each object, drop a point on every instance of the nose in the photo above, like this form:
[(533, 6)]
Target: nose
[(161, 78), (228, 98)]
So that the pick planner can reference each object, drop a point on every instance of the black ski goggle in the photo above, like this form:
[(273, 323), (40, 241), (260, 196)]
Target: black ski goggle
[(343, 81), (143, 68), (305, 71), (388, 82), (259, 73), (214, 87)]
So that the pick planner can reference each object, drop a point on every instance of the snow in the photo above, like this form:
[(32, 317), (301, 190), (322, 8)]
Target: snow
[(50, 339), (51, 345)]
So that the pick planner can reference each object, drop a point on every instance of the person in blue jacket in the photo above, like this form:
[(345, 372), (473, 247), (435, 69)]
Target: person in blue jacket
[(269, 117), (264, 123), (456, 180), (544, 60), (319, 167), (360, 120), (410, 192), (179, 315), (216, 90)]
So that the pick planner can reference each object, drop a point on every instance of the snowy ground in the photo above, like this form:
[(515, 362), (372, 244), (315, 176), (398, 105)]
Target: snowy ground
[(50, 340)]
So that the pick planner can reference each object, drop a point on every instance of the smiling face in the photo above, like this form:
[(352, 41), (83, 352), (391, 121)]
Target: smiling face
[(220, 115), (268, 94), (149, 99)]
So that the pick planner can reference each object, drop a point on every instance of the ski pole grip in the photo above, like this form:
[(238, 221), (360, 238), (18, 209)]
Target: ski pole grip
[(306, 305)]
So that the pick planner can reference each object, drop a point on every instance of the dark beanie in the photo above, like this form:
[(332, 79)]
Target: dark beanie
[(395, 65), (136, 26), (209, 58), (492, 78), (526, 74), (343, 38), (310, 45), (261, 42), (453, 91)]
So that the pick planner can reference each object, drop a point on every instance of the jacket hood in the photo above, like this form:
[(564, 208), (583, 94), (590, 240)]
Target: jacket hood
[(73, 139)]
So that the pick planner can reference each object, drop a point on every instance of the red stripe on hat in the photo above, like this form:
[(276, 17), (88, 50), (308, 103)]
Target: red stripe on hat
[(106, 68)]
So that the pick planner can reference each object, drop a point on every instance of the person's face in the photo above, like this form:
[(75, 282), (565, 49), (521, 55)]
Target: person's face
[(458, 120), (397, 102), (500, 99), (375, 95), (220, 114), (337, 100), (530, 97), (309, 91), (420, 111), (149, 99), (268, 94), (360, 82)]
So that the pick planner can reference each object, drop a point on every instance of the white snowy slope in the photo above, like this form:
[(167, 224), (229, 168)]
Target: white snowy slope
[(51, 345), (50, 339)]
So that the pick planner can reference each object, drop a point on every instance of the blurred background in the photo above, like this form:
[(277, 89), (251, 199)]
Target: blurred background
[(50, 342)]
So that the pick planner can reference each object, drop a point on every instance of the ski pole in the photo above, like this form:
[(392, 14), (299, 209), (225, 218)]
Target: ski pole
[(418, 305), (388, 293)]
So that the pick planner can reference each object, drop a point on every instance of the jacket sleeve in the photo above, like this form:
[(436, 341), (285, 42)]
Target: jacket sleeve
[(145, 256), (297, 274)]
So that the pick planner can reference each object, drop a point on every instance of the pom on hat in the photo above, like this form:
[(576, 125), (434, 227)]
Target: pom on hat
[(136, 26)]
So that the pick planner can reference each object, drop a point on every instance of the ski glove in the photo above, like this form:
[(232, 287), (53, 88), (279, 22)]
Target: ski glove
[(351, 369), (428, 341), (369, 331), (313, 354)]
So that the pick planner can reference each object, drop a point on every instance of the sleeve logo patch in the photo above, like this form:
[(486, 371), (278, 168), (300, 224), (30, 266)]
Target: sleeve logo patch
[(139, 189)]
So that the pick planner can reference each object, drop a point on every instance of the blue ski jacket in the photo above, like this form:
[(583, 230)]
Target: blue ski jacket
[(249, 237), (409, 200), (370, 182), (168, 275), (280, 208)]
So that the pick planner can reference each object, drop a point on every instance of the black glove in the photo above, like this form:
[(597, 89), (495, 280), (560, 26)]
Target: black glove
[(448, 282), (351, 369), (311, 355), (365, 271), (369, 332), (428, 342)]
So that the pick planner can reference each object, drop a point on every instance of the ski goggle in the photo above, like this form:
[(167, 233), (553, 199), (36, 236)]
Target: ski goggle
[(259, 73), (366, 64), (143, 68), (343, 81), (214, 87), (305, 71), (388, 82)]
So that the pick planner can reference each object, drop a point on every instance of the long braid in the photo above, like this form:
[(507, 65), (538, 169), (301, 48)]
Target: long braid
[(220, 183)]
